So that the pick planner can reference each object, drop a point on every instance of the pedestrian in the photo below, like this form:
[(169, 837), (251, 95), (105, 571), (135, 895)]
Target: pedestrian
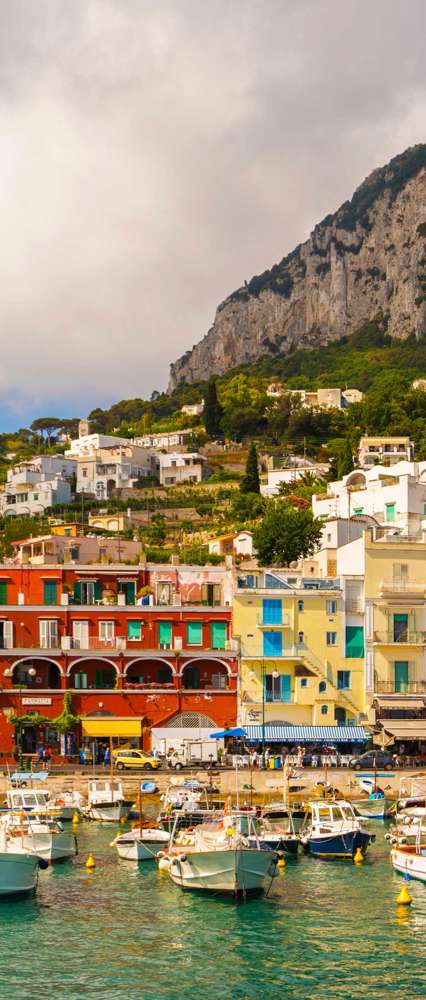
[(267, 756), (40, 756), (106, 757)]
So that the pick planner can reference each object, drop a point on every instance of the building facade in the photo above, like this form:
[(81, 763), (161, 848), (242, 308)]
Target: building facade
[(395, 497), (33, 486)]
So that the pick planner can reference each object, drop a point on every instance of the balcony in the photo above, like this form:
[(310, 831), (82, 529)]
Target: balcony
[(411, 687), (354, 606), (407, 638), (284, 623), (404, 587)]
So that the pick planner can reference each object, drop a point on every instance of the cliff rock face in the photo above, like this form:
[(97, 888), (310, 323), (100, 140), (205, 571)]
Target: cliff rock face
[(367, 259)]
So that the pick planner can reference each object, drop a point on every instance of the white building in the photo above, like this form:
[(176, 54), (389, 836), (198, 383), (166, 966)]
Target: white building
[(33, 486), (164, 440), (239, 544), (292, 469), (85, 445), (178, 467), (193, 409), (395, 497), (384, 451), (108, 469)]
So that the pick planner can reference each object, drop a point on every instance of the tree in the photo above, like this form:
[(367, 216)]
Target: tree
[(286, 534), (251, 483), (213, 411), (48, 424), (247, 506), (345, 462)]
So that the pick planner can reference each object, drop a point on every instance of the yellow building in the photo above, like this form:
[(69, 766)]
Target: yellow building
[(294, 645), (395, 615)]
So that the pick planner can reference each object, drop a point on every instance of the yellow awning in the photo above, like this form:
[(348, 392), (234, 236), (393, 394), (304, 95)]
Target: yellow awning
[(112, 727)]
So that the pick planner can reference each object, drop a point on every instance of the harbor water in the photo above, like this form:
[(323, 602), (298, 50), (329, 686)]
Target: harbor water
[(326, 930)]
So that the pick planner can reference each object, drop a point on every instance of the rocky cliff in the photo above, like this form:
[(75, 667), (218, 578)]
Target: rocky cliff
[(369, 258)]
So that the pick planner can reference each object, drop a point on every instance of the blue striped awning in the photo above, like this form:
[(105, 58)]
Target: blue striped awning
[(307, 734)]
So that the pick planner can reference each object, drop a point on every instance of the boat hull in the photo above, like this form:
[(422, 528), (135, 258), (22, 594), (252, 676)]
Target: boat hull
[(280, 843), (229, 871), (51, 846), (338, 845), (18, 874), (370, 808), (107, 812), (409, 861), (140, 850)]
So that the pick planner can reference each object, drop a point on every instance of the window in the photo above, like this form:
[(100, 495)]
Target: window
[(35, 496), (401, 676), (324, 709), (49, 633), (211, 594), (80, 680), (87, 591), (424, 508), (331, 638), (354, 642), (84, 473), (301, 638), (278, 688), (300, 606), (194, 633), (165, 635), (303, 682), (106, 631), (272, 644), (128, 588), (390, 512), (164, 593), (218, 635), (359, 510), (272, 611), (331, 607), (343, 679), (50, 592), (3, 591), (134, 631), (322, 686), (80, 635)]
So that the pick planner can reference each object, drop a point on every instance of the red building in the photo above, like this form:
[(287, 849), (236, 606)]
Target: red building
[(149, 643)]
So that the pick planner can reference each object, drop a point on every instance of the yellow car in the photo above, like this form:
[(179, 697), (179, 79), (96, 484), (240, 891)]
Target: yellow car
[(135, 759)]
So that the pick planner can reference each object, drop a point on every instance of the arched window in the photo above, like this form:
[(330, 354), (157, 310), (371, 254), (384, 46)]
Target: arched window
[(322, 686)]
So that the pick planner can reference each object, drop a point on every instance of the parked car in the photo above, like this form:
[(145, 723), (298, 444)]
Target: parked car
[(379, 758), (135, 759)]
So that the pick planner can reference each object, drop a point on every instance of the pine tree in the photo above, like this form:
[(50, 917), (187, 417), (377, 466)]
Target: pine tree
[(251, 482), (213, 411), (345, 462)]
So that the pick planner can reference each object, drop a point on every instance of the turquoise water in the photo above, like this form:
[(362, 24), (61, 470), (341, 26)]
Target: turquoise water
[(327, 930)]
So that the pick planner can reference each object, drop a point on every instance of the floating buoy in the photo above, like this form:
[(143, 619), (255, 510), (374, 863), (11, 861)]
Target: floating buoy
[(403, 898), (90, 861), (358, 857), (75, 819), (281, 863), (123, 820), (163, 864)]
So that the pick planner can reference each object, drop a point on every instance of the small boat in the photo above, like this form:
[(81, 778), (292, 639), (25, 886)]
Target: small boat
[(68, 802), (18, 868), (411, 859), (185, 805), (141, 845), (42, 835), (31, 800), (410, 824), (374, 807), (105, 801), (276, 829), (217, 857), (332, 830)]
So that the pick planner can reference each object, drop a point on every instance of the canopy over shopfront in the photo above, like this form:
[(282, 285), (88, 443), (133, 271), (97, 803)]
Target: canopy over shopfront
[(307, 734), (401, 731), (111, 726)]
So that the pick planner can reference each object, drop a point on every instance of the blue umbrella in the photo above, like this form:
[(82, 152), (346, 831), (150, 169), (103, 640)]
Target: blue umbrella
[(228, 732)]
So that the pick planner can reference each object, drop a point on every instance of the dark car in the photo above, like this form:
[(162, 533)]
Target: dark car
[(379, 758)]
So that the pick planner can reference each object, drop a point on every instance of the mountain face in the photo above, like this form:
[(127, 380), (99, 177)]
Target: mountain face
[(367, 259)]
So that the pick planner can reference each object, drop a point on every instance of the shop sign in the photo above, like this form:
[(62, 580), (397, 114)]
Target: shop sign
[(36, 701)]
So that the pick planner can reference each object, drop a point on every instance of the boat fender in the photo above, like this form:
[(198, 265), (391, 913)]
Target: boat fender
[(42, 863), (182, 857)]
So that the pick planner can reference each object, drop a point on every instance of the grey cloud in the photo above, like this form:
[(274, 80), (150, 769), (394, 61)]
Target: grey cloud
[(152, 156)]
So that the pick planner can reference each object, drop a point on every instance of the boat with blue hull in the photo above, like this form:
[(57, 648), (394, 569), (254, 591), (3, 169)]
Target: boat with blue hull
[(332, 830)]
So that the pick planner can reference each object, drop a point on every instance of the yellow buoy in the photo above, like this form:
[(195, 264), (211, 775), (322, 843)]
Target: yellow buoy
[(281, 863), (403, 898), (90, 861), (358, 857), (75, 819)]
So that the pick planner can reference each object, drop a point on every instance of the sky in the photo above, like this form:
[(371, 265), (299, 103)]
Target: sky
[(154, 155)]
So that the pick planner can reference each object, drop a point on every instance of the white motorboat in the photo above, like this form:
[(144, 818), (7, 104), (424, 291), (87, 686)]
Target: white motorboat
[(411, 859), (141, 845), (373, 807), (69, 802), (105, 801), (18, 868), (185, 804), (31, 800), (410, 824), (332, 830), (218, 858), (276, 829), (41, 834)]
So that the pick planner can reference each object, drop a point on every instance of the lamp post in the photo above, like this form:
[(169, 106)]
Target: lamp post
[(275, 674)]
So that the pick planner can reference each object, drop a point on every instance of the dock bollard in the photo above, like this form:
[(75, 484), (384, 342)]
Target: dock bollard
[(403, 898), (90, 861)]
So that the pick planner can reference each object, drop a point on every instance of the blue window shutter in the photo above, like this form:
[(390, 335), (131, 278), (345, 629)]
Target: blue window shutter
[(286, 688), (272, 644), (272, 611)]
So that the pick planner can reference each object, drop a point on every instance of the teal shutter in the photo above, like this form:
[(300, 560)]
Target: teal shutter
[(272, 611), (98, 590), (77, 592), (133, 630), (286, 688), (50, 592), (165, 633), (3, 591), (401, 676), (218, 635), (354, 646), (272, 644), (194, 633)]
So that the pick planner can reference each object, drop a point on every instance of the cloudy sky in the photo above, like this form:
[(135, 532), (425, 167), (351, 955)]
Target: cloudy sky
[(155, 153)]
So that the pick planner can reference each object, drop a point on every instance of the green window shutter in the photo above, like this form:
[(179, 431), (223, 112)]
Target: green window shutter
[(3, 591), (218, 635), (98, 590), (133, 630), (165, 633), (77, 592), (390, 512), (354, 647), (50, 592), (401, 676), (194, 633)]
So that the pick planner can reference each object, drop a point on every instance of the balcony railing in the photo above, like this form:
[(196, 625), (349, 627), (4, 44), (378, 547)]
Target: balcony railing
[(411, 687), (354, 605), (284, 623), (407, 638), (402, 586)]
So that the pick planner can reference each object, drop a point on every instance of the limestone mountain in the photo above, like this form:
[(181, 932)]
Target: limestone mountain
[(366, 260)]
